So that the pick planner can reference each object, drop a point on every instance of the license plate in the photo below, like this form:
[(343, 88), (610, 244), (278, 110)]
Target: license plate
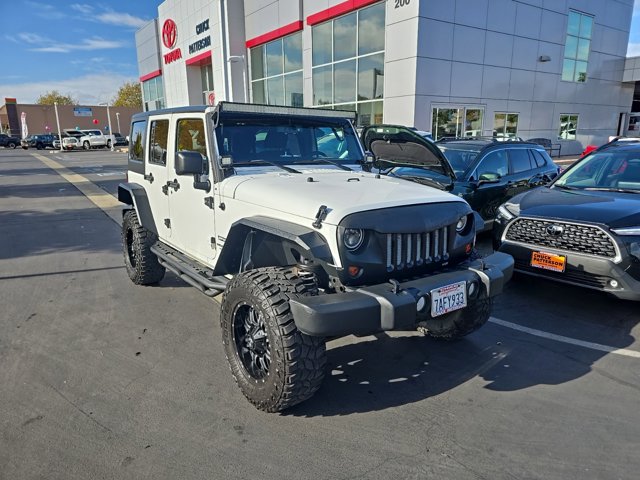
[(548, 261), (448, 298)]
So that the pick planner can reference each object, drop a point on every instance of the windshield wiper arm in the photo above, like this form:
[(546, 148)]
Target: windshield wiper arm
[(326, 161), (566, 187), (424, 180), (611, 189), (283, 167)]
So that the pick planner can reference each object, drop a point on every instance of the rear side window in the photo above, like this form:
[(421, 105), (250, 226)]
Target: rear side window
[(136, 146), (520, 160), (540, 158), (158, 138)]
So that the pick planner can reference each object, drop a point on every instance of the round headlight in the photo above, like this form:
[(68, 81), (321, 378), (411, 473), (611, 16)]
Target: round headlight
[(461, 225), (353, 238)]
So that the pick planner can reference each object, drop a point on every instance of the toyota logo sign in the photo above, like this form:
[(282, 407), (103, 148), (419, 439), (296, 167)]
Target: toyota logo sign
[(555, 230), (169, 33)]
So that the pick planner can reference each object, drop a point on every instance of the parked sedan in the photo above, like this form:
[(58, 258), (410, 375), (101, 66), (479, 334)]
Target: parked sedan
[(584, 228), (485, 173)]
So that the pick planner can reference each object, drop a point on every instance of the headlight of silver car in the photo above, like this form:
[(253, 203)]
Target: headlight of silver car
[(353, 238), (626, 231)]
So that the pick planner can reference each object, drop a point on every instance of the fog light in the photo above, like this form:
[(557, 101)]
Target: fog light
[(613, 283), (467, 248), (354, 271), (421, 304)]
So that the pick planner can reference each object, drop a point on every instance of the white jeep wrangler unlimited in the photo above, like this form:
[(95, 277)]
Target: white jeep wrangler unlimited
[(271, 206)]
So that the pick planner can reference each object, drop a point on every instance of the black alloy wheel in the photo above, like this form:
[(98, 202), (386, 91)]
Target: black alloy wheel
[(251, 340)]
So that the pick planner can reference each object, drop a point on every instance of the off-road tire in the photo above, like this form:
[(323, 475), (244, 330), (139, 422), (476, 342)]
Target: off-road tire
[(141, 263), (297, 361), (458, 324)]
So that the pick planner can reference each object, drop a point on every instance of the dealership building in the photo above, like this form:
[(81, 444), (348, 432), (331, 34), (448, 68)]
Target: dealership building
[(528, 68)]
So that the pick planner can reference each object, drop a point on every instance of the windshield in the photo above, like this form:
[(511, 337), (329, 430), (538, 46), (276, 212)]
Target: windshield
[(605, 170), (287, 141), (460, 158)]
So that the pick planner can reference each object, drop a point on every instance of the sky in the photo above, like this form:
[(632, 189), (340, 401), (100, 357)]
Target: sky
[(88, 50)]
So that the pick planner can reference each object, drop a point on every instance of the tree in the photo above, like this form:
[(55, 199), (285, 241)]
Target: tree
[(49, 98), (129, 95)]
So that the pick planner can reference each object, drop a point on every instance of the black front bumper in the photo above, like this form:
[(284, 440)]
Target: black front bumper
[(387, 307), (596, 273)]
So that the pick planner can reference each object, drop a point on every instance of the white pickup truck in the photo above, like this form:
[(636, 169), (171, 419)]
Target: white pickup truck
[(93, 139)]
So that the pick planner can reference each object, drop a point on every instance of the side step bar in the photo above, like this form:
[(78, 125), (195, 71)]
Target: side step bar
[(191, 271)]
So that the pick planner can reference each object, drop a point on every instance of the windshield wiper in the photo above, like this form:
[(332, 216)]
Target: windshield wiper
[(566, 187), (426, 181), (264, 162), (325, 161), (611, 189)]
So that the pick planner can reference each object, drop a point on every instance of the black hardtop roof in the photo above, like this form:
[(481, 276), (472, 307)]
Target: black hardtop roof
[(482, 143)]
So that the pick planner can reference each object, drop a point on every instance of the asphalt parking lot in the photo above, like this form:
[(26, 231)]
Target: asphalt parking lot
[(104, 379)]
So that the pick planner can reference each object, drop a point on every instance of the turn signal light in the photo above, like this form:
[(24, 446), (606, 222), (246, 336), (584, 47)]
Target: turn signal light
[(468, 247), (354, 271)]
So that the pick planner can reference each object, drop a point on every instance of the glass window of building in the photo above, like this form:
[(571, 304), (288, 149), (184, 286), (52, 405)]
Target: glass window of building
[(276, 72), (206, 79), (456, 121), (505, 125), (568, 126), (577, 45), (153, 94), (347, 57)]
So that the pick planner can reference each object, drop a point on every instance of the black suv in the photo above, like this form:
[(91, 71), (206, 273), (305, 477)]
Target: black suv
[(8, 141), (485, 172), (38, 141)]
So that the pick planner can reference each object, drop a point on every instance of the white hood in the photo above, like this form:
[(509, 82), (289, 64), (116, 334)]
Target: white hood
[(341, 191)]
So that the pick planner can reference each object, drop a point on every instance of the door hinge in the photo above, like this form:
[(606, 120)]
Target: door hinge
[(208, 201), (149, 177), (167, 222), (320, 216), (165, 189)]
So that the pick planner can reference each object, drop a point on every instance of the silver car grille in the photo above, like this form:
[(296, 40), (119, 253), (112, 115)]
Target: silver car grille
[(408, 250)]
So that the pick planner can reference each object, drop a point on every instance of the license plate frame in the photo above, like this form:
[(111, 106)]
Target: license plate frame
[(448, 298), (548, 261)]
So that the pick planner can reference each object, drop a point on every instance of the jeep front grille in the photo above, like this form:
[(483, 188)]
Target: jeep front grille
[(407, 250), (572, 237)]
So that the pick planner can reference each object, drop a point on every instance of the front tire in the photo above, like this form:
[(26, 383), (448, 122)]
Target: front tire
[(275, 365), (141, 263), (458, 324), (109, 144), (11, 145), (86, 145)]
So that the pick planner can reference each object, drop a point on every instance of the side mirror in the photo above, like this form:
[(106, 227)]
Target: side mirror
[(489, 177), (189, 163)]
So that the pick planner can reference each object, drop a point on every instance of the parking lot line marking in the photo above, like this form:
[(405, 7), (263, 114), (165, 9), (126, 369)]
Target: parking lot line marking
[(560, 338), (101, 199)]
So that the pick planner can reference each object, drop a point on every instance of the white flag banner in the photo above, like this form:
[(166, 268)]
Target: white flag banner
[(25, 130)]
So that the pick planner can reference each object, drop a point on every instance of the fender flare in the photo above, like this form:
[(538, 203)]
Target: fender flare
[(135, 195), (291, 236)]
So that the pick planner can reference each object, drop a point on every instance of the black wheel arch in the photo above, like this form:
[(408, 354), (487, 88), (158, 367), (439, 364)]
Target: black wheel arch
[(134, 195), (262, 241)]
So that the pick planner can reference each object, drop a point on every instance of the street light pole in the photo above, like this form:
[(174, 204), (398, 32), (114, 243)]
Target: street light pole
[(110, 131), (55, 105), (118, 119), (241, 58)]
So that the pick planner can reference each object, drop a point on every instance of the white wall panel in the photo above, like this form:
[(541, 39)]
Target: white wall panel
[(468, 44)]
